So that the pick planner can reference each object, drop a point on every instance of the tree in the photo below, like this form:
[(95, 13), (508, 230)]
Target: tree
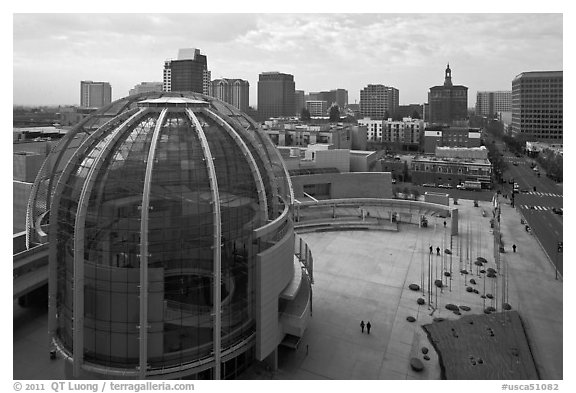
[(305, 114), (334, 113), (415, 115), (406, 192), (415, 193), (405, 172)]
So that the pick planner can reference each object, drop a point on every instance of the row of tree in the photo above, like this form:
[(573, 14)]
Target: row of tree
[(406, 193), (551, 163), (333, 114)]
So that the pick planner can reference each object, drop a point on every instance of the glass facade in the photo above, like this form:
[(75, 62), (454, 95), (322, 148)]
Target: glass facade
[(145, 171)]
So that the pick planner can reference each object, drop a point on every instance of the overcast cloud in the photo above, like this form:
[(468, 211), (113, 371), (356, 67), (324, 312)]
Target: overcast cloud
[(54, 52)]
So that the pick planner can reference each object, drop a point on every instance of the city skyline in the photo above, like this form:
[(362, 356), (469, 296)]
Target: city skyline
[(322, 51)]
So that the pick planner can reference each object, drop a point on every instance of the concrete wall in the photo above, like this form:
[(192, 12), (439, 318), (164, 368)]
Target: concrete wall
[(274, 270), (40, 147), (26, 165), (434, 197), (364, 161), (20, 195), (348, 185), (359, 137), (336, 158)]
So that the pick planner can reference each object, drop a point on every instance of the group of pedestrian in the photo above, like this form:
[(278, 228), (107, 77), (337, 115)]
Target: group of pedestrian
[(437, 250), (368, 325)]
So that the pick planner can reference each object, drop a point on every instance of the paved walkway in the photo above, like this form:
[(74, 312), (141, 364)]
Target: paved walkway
[(364, 275)]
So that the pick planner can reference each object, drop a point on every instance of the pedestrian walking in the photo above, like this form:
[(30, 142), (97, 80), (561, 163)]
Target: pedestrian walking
[(362, 325), (437, 250), (514, 247), (444, 224), (431, 250), (368, 326)]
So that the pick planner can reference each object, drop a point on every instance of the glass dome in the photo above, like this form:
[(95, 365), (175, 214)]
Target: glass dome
[(152, 200)]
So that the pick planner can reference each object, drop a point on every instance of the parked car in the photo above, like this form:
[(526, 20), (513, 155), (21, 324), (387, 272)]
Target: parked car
[(557, 210), (445, 186), (428, 185), (515, 164), (524, 190)]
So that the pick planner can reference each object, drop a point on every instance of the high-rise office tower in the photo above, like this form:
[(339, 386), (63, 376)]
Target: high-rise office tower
[(488, 103), (233, 91), (299, 101), (275, 95), (448, 102), (337, 96), (187, 73), (537, 99), (379, 101), (95, 94)]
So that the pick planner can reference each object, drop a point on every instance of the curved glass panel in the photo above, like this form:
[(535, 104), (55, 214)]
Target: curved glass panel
[(180, 247), (240, 216), (65, 227), (112, 250)]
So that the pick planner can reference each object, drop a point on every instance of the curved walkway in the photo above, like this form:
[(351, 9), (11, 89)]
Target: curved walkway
[(368, 213)]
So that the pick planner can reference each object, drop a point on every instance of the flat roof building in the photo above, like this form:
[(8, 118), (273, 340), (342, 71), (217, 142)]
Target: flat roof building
[(233, 91), (187, 73), (95, 94), (276, 95), (145, 87), (537, 106), (379, 101), (453, 171), (490, 103)]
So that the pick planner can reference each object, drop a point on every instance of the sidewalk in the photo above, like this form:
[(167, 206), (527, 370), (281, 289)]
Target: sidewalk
[(537, 294)]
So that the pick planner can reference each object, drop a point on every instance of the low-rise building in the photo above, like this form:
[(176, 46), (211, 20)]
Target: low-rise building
[(452, 136), (72, 115), (317, 108), (406, 131), (146, 87), (453, 171), (319, 156), (365, 161), (475, 153), (340, 136)]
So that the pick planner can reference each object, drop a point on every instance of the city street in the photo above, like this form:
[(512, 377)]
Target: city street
[(538, 196)]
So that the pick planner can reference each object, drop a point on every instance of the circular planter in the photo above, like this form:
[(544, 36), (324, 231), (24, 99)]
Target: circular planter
[(416, 364)]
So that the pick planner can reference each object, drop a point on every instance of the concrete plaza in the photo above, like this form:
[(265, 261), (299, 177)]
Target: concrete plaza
[(364, 275)]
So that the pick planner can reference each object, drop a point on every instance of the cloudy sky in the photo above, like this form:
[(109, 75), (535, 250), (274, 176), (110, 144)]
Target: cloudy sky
[(52, 53)]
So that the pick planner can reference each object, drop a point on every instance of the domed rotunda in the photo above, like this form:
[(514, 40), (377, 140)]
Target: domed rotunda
[(171, 243)]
